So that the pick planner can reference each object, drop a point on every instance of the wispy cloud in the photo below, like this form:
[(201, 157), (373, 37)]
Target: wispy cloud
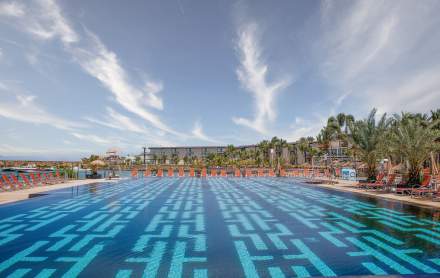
[(305, 127), (198, 133), (118, 121), (104, 65), (47, 22), (92, 138), (6, 149), (24, 108), (11, 8), (419, 93), (381, 53), (42, 19), (253, 76)]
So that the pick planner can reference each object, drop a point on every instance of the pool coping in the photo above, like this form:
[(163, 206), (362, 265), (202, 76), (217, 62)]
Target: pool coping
[(349, 186)]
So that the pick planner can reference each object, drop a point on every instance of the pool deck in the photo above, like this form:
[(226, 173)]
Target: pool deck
[(19, 195), (350, 186)]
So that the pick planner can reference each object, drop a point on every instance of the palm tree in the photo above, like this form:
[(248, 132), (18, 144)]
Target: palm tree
[(341, 119), (174, 158), (414, 141), (367, 137), (230, 153), (164, 158), (293, 153), (264, 147), (304, 147), (435, 117), (349, 121), (278, 144)]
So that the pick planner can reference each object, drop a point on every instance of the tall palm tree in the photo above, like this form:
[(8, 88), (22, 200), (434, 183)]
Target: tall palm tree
[(264, 147), (435, 117), (349, 121), (341, 119), (413, 140), (367, 137), (278, 144), (304, 147), (293, 153), (230, 154), (164, 158)]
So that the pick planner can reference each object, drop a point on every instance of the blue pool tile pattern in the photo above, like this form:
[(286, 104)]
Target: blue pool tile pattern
[(215, 227)]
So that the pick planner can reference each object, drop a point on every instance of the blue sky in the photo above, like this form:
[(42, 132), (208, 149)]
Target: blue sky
[(79, 77)]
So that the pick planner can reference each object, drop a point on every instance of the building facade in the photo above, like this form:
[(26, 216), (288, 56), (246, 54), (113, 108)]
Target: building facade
[(292, 154)]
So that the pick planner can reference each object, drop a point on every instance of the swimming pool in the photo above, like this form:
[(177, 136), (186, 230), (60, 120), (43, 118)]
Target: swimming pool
[(216, 227)]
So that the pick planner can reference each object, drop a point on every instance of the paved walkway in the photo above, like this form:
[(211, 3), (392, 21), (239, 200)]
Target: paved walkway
[(350, 186), (19, 195)]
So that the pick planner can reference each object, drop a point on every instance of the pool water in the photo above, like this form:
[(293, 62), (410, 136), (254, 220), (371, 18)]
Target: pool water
[(215, 227)]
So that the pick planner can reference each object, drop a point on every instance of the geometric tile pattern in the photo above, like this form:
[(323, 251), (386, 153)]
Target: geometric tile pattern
[(215, 227)]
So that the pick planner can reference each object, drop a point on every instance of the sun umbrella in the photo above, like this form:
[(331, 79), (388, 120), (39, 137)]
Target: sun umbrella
[(97, 162)]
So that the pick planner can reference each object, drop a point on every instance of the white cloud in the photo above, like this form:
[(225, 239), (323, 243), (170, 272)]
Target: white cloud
[(420, 92), (381, 54), (115, 120), (253, 76), (152, 89), (41, 18), (92, 138), (304, 128), (47, 22), (104, 65), (6, 149), (24, 109), (118, 121), (198, 133), (13, 9)]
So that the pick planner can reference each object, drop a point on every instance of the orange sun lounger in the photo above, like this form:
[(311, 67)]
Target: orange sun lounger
[(237, 173), (147, 172), (170, 172), (9, 183), (282, 173), (213, 172), (271, 173), (223, 173), (2, 187), (181, 172), (247, 173), (160, 172), (35, 180), (204, 173), (27, 182), (17, 182), (191, 172), (134, 173)]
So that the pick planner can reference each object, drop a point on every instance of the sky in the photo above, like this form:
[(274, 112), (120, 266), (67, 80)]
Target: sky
[(80, 77)]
